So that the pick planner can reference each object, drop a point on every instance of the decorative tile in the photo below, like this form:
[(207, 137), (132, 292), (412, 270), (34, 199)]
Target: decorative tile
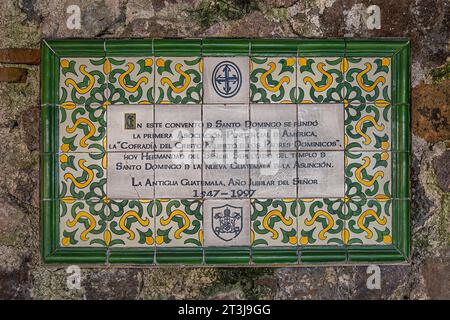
[(131, 80), (132, 223), (368, 81), (82, 128), (320, 174), (320, 79), (272, 79), (131, 175), (178, 80), (368, 174), (320, 127), (368, 127), (178, 175), (83, 81), (273, 174), (226, 175), (226, 222), (82, 175), (226, 80), (142, 163), (130, 128), (226, 127), (178, 222), (321, 221), (369, 221), (274, 222), (178, 128), (83, 223), (273, 127)]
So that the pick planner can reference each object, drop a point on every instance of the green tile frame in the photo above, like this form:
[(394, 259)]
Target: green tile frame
[(397, 49)]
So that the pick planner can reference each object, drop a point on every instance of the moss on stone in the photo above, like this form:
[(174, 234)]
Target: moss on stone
[(243, 278), (441, 73), (209, 12)]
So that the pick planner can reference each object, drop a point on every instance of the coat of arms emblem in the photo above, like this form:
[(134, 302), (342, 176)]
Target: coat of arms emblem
[(227, 221)]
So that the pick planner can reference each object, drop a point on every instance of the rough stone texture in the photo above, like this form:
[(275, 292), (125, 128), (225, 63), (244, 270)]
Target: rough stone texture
[(431, 111), (24, 23), (443, 170)]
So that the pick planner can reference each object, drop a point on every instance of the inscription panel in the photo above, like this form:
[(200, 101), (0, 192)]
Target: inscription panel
[(250, 151)]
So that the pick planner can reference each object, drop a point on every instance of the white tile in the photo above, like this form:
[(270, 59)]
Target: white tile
[(226, 127), (273, 175), (273, 126), (130, 128), (178, 174), (320, 174), (226, 174), (178, 127), (321, 127), (226, 80), (226, 222), (130, 175)]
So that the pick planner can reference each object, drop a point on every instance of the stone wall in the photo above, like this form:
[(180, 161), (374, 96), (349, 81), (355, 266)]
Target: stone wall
[(24, 23)]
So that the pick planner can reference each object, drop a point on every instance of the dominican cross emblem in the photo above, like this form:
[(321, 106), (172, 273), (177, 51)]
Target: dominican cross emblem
[(227, 79), (227, 222)]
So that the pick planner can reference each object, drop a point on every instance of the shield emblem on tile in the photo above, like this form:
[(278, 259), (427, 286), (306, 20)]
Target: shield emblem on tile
[(227, 221)]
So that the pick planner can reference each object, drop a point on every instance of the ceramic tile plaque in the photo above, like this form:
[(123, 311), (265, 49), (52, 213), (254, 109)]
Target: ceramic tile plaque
[(225, 151)]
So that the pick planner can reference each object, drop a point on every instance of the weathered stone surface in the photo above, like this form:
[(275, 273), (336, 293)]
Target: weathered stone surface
[(13, 74), (29, 123), (313, 283), (253, 25), (19, 55), (15, 280), (431, 111), (437, 276), (113, 284), (391, 277), (443, 171)]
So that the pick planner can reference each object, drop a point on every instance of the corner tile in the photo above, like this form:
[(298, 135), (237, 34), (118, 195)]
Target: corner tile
[(369, 221), (368, 80), (83, 81), (83, 223)]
